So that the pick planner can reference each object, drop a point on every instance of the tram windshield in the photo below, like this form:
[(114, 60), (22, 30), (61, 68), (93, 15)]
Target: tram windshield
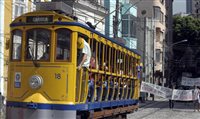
[(16, 44), (38, 44)]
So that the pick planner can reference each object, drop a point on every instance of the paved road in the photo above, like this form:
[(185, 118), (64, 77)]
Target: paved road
[(160, 110)]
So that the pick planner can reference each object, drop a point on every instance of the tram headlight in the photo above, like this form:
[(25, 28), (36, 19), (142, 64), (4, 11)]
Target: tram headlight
[(35, 82)]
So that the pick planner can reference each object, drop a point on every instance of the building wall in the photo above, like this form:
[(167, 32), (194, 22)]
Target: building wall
[(90, 11), (111, 6), (196, 8), (7, 20), (168, 42), (193, 7), (127, 12), (2, 3), (188, 6), (155, 10)]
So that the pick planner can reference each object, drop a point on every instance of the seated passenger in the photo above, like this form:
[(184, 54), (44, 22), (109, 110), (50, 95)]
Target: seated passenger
[(93, 62), (91, 86)]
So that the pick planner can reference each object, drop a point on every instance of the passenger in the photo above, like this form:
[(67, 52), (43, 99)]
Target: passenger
[(93, 61), (91, 86), (105, 66), (196, 98), (99, 87), (171, 102), (86, 51), (2, 98)]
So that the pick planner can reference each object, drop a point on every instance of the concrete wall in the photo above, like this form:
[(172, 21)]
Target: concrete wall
[(2, 2)]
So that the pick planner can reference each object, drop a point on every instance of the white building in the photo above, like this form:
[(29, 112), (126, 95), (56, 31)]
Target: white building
[(91, 11), (152, 12)]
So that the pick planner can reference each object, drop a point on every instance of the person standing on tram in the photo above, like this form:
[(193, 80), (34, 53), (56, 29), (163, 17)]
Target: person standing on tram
[(86, 51)]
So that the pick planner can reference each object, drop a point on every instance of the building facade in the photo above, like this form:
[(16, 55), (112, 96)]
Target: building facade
[(168, 42), (193, 7), (2, 13), (152, 12), (126, 22), (189, 6), (92, 11), (129, 22)]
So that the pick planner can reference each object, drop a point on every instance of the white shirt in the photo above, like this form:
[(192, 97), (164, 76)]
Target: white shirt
[(86, 50)]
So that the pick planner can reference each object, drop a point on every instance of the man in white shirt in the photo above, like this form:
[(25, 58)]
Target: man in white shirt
[(85, 62)]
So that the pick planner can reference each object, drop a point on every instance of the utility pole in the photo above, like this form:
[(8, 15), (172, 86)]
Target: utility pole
[(115, 20)]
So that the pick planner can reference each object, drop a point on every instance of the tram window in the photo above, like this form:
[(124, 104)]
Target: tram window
[(100, 55), (119, 61), (127, 64), (122, 64), (134, 66), (38, 44), (106, 58), (94, 61), (16, 44), (111, 60), (131, 66), (63, 44)]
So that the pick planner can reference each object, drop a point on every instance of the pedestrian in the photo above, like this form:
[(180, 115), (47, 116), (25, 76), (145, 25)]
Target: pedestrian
[(1, 103), (171, 101), (196, 99)]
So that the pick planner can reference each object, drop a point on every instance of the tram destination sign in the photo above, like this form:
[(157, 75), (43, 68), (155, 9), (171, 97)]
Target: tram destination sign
[(39, 19)]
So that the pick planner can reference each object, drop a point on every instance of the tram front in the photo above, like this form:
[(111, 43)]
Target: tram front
[(41, 66)]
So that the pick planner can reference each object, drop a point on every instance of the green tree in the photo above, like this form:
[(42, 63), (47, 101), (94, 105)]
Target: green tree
[(186, 28), (187, 54)]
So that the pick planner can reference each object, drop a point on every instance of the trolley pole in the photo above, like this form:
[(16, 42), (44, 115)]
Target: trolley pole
[(115, 20)]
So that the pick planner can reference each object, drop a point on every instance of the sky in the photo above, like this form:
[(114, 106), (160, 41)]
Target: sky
[(179, 6)]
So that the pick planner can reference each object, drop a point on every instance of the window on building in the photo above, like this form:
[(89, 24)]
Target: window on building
[(157, 12), (157, 34), (158, 54), (20, 7), (162, 18), (128, 25), (125, 26)]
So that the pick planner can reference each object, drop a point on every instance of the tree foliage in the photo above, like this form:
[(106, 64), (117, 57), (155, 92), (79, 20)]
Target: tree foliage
[(186, 54), (186, 28)]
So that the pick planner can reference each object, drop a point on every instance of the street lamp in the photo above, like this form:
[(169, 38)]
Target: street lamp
[(171, 56), (179, 42)]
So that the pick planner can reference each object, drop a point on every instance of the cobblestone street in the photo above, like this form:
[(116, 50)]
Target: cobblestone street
[(160, 110)]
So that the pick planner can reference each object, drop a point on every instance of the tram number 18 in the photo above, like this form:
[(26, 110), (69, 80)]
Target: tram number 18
[(57, 76)]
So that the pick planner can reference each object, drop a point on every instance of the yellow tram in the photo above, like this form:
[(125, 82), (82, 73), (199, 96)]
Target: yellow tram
[(44, 82)]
